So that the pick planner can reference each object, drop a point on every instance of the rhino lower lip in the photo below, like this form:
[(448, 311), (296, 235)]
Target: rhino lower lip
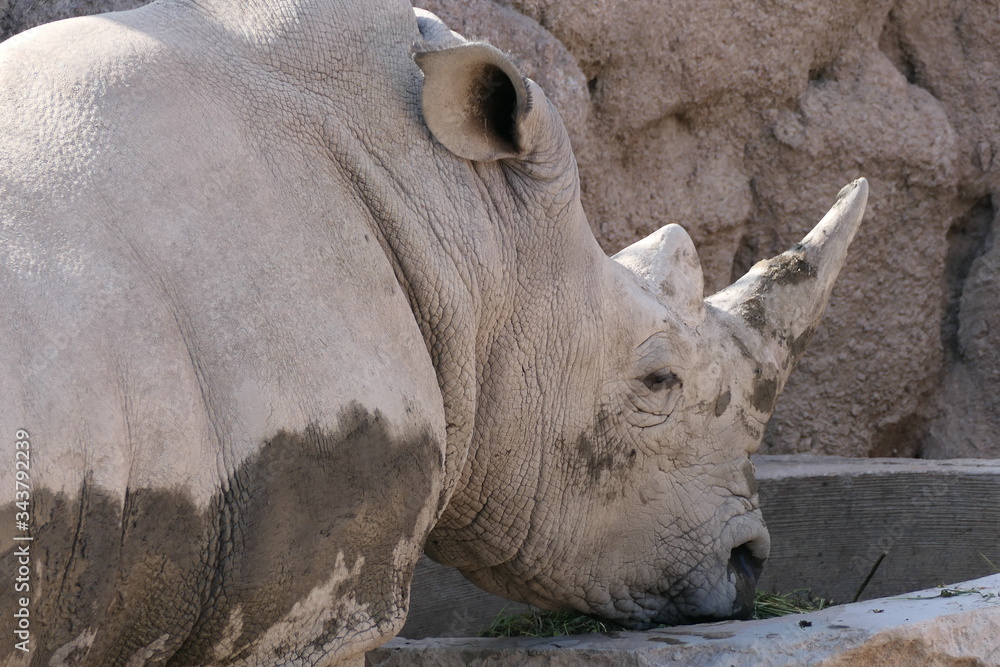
[(746, 569), (744, 563)]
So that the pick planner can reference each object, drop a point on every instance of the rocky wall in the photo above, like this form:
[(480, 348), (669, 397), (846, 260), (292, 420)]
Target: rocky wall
[(19, 15), (741, 121)]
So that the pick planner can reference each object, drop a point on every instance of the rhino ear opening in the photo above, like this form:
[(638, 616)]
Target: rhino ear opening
[(474, 100), (668, 263)]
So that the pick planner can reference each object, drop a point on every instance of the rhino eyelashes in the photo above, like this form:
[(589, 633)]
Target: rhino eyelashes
[(661, 381), (653, 398)]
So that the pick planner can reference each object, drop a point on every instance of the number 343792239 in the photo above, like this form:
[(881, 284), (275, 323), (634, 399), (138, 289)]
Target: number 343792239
[(22, 472)]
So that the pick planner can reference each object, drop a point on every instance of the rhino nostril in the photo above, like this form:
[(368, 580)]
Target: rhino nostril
[(742, 556), (745, 569)]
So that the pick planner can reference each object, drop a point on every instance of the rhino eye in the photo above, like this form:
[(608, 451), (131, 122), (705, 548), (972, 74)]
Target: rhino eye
[(662, 380)]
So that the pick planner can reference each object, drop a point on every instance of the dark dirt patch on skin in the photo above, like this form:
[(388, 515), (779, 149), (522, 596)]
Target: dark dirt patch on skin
[(271, 536), (753, 311), (132, 566), (722, 402), (744, 350), (603, 463), (304, 499), (798, 345), (789, 268), (65, 534), (596, 461), (765, 393)]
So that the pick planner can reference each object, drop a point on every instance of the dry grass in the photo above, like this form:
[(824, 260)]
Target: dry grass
[(537, 623), (769, 605)]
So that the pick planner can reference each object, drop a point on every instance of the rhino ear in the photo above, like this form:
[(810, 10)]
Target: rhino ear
[(474, 100), (668, 263)]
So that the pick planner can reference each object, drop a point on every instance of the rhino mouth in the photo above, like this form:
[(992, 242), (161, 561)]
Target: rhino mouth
[(744, 570), (746, 562), (681, 607)]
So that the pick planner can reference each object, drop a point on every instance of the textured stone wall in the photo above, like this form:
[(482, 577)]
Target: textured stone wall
[(19, 15), (741, 121)]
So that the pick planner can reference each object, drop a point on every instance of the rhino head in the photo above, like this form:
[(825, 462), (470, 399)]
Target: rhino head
[(608, 469)]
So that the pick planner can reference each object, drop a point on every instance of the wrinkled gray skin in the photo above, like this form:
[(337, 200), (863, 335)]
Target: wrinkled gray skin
[(292, 290)]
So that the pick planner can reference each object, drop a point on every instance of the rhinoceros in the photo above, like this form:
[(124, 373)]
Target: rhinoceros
[(294, 291)]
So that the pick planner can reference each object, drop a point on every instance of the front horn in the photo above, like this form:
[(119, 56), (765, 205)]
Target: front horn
[(783, 299)]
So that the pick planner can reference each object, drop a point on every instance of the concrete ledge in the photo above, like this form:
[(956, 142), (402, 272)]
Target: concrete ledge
[(923, 628)]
